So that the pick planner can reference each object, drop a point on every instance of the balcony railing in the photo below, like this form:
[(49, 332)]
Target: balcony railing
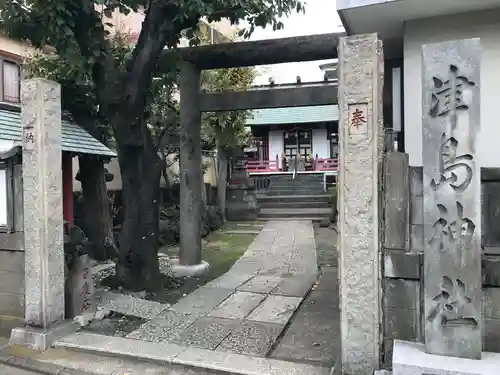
[(330, 164), (273, 166), (256, 166)]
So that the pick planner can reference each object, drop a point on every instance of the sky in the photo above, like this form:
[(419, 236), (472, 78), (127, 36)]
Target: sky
[(320, 17)]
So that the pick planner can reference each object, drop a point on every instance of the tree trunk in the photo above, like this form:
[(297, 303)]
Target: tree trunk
[(168, 185), (137, 266), (203, 190), (122, 101), (98, 223), (222, 180)]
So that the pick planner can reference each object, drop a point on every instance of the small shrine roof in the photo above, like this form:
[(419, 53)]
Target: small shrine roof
[(74, 138)]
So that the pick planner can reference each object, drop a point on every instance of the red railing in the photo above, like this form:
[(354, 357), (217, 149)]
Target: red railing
[(330, 164), (318, 164), (254, 166)]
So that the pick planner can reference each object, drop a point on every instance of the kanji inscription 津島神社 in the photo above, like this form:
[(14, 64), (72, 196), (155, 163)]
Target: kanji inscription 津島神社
[(452, 246)]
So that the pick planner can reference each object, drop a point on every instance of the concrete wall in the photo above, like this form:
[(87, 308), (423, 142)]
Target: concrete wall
[(12, 47), (403, 255), (210, 176), (12, 264), (484, 25)]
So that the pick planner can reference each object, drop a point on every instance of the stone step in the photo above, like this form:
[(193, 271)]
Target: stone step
[(296, 191), (295, 197), (314, 219), (289, 192), (296, 184), (298, 180), (166, 354), (297, 177), (292, 204), (295, 212)]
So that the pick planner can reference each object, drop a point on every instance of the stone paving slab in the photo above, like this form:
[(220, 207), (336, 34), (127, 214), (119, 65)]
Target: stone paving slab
[(94, 343), (164, 327), (230, 280), (260, 284), (187, 356), (313, 333), (295, 286), (202, 301), (250, 225), (251, 338), (276, 309), (238, 305), (245, 365), (206, 332), (65, 362), (128, 305), (281, 271), (242, 231)]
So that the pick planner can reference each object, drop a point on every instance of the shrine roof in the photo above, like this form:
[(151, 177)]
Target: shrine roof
[(294, 115), (74, 138)]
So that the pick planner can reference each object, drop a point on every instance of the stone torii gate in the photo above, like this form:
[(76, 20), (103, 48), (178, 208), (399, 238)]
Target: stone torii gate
[(359, 95), (193, 103)]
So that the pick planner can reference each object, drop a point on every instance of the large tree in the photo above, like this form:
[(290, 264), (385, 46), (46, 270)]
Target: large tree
[(75, 29)]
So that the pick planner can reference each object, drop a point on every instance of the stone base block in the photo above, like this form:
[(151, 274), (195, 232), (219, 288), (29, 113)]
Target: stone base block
[(195, 270), (41, 339), (410, 358), (238, 213)]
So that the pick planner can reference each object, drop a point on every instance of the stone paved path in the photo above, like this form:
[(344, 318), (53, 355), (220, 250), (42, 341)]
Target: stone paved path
[(313, 334), (245, 310), (232, 323)]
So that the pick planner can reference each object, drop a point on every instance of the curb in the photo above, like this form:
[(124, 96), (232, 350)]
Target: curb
[(39, 367)]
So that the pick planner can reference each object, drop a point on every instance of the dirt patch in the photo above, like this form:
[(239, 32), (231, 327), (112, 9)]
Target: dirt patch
[(117, 325), (221, 250)]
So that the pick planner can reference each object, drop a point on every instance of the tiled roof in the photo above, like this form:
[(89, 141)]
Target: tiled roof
[(74, 138), (294, 115)]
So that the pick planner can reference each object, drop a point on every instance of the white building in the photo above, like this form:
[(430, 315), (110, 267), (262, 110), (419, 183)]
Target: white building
[(406, 25)]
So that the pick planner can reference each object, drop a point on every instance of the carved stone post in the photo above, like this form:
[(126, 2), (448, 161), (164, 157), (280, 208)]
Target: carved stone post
[(361, 68), (190, 263), (452, 218), (452, 204), (43, 216)]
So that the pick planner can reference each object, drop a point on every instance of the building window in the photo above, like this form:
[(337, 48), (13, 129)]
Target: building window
[(3, 198), (10, 82)]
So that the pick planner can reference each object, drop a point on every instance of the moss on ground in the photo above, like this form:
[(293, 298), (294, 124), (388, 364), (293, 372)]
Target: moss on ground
[(222, 250)]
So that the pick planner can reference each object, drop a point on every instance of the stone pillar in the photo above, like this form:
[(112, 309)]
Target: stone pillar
[(361, 71), (241, 201), (190, 263), (396, 200), (452, 204), (43, 214)]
